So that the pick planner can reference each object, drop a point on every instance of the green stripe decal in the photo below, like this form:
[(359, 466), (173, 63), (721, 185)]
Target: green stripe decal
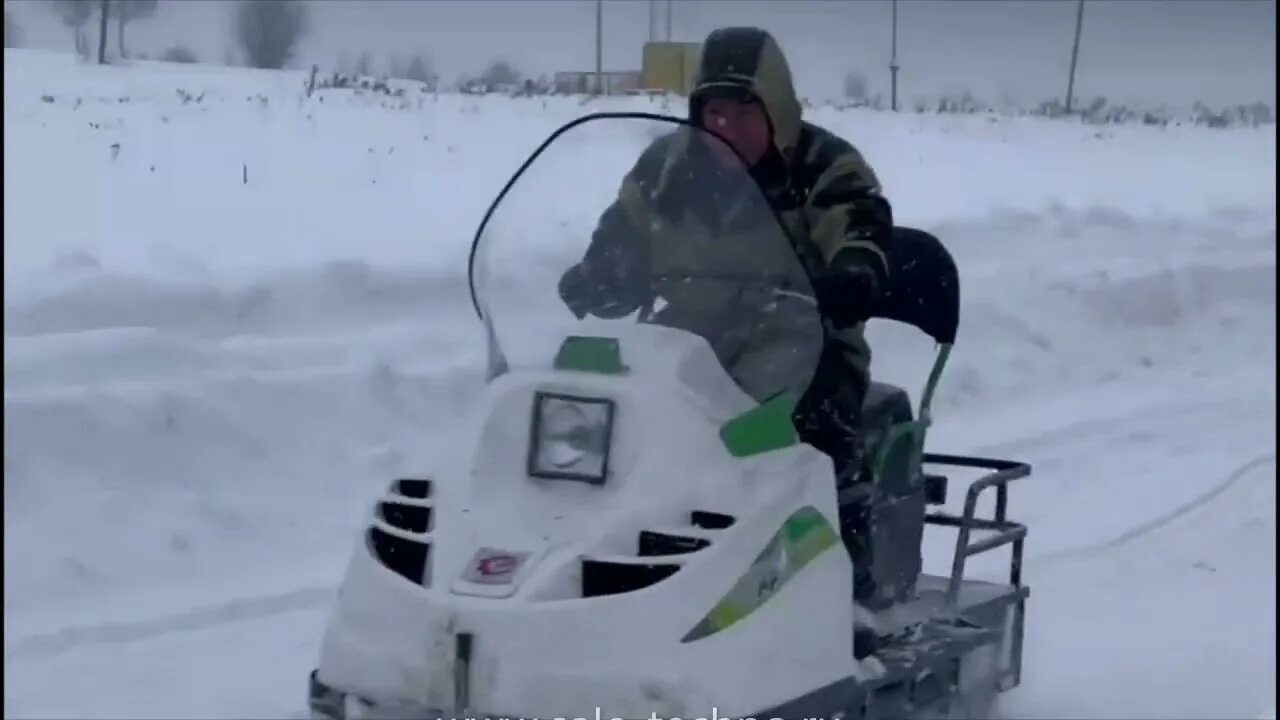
[(764, 428), (804, 535), (590, 354)]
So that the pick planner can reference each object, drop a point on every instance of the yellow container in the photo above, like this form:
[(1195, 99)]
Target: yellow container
[(669, 66)]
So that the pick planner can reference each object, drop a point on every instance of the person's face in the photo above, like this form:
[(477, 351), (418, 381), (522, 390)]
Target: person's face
[(745, 126)]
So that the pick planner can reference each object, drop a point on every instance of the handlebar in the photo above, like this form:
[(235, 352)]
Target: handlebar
[(778, 283)]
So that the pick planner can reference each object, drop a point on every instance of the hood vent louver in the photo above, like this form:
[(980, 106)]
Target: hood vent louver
[(407, 558), (400, 535), (410, 518), (413, 487), (654, 542), (708, 520), (657, 556), (607, 577)]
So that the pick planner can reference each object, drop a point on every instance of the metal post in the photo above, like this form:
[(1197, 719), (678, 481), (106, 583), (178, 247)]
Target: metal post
[(893, 61), (104, 12), (599, 47), (1075, 53)]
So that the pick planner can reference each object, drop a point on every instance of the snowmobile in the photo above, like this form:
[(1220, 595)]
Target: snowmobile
[(634, 529)]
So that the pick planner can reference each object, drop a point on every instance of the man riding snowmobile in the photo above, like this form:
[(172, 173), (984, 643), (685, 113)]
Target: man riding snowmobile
[(828, 200)]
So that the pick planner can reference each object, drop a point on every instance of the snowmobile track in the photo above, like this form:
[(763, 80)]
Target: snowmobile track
[(56, 642), (1152, 421), (1225, 484)]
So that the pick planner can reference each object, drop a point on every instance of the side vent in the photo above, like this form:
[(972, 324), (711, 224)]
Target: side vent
[(413, 487), (602, 577), (407, 558), (653, 543), (410, 518), (400, 533), (711, 520)]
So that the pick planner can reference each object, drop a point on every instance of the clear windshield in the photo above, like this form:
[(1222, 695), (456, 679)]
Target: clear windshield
[(633, 218)]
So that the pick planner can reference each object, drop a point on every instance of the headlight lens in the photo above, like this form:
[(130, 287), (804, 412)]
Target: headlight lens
[(571, 437), (565, 435)]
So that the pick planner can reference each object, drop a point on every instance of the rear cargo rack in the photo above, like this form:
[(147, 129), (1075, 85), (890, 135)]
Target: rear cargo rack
[(1007, 532)]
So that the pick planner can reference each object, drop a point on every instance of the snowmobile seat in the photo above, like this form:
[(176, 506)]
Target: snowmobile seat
[(924, 285), (923, 291), (882, 520)]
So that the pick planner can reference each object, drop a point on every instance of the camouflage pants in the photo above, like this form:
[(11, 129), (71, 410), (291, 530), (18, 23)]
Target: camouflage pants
[(829, 417)]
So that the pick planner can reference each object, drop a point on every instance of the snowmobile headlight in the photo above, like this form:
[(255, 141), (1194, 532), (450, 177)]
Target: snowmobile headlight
[(570, 437)]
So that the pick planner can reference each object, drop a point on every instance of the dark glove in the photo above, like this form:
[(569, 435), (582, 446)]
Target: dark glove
[(578, 291), (848, 290), (609, 298)]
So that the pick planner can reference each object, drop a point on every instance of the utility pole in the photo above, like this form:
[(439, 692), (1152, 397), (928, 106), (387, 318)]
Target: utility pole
[(1075, 53), (653, 20), (893, 61), (599, 47), (670, 10), (102, 32)]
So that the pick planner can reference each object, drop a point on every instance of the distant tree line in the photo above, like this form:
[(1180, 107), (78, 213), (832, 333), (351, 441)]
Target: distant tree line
[(266, 35), (266, 31)]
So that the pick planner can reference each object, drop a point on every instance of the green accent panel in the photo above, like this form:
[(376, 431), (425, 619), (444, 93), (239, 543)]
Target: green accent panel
[(804, 535), (590, 354), (900, 451), (763, 428), (931, 385)]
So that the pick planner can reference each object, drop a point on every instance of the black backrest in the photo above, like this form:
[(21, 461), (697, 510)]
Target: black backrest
[(924, 285)]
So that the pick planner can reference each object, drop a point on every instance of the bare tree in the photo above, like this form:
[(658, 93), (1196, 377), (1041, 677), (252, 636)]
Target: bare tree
[(129, 10), (12, 31), (855, 86), (364, 65), (420, 70), (179, 54), (75, 14), (269, 30), (500, 72), (395, 66)]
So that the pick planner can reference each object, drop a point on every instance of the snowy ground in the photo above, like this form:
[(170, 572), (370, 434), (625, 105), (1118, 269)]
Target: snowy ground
[(205, 378)]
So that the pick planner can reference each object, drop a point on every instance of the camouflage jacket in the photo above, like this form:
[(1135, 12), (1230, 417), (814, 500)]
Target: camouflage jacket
[(825, 194)]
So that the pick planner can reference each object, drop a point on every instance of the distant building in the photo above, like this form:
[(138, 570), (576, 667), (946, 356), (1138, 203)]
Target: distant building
[(583, 82), (666, 67), (669, 66)]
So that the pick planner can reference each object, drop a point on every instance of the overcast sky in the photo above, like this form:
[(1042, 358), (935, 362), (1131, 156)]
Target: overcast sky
[(1146, 51)]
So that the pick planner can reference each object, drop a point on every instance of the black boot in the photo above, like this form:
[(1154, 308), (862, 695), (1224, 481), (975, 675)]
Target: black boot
[(855, 531), (865, 642), (865, 636)]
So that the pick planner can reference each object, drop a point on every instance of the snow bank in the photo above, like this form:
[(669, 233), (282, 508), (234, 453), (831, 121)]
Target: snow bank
[(232, 311), (159, 156)]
